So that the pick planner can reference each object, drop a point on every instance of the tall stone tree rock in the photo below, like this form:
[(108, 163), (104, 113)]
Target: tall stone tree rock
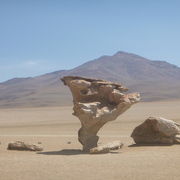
[(97, 102)]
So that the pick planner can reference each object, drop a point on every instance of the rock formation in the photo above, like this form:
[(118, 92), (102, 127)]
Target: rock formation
[(115, 145), (156, 131), (21, 146), (97, 102)]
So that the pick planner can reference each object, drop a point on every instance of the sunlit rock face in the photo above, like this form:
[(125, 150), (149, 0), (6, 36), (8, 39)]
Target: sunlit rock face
[(95, 103), (156, 130)]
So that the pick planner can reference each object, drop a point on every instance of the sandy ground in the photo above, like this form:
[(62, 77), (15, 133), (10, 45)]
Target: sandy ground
[(55, 126)]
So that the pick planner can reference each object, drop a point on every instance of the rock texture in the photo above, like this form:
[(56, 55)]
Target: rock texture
[(156, 131), (97, 102), (21, 146), (106, 148)]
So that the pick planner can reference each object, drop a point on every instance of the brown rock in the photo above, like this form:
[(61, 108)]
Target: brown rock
[(21, 146), (97, 102), (156, 131)]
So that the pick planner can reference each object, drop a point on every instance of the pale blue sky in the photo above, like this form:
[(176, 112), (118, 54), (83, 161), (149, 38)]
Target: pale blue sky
[(40, 36)]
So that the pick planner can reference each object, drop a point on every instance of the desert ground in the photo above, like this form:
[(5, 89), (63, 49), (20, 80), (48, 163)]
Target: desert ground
[(54, 127)]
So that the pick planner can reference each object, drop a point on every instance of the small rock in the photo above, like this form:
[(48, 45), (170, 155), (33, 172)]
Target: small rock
[(21, 146), (106, 148)]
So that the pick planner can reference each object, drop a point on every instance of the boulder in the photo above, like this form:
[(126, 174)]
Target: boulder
[(156, 130), (97, 102)]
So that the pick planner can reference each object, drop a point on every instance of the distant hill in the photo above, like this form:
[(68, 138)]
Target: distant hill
[(155, 80)]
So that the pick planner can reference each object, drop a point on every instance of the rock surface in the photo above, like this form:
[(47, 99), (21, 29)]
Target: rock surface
[(97, 102), (21, 146), (156, 131), (106, 148)]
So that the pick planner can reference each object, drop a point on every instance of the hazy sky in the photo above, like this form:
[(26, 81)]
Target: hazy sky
[(40, 36)]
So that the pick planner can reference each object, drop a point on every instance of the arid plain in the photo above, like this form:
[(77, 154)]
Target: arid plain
[(56, 128)]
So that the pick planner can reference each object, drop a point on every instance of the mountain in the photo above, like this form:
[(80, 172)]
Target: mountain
[(155, 80)]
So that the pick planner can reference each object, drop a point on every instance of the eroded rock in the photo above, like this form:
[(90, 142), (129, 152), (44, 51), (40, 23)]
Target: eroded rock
[(21, 146), (106, 148), (156, 130), (97, 102)]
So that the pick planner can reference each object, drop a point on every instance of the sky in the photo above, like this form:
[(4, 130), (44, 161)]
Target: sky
[(41, 36)]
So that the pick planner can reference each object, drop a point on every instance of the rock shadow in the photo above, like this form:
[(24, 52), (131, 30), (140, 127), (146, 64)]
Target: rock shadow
[(153, 144), (68, 152), (64, 152)]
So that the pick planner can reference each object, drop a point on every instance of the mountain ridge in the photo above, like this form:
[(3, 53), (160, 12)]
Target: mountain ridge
[(156, 80)]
